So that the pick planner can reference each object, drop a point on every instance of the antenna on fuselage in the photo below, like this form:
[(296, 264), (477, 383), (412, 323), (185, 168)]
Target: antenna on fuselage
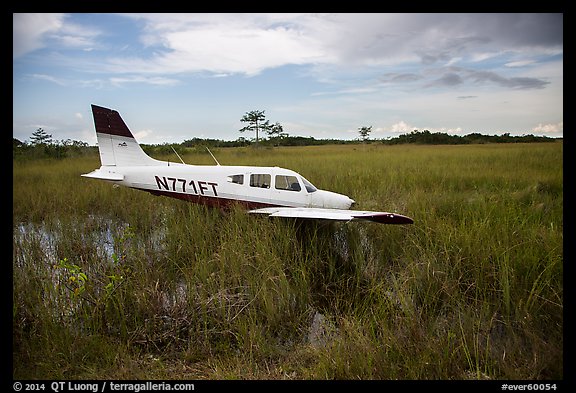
[(172, 147), (217, 163)]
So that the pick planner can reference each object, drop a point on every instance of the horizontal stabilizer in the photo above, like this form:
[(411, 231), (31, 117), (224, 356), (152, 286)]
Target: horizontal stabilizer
[(334, 214), (103, 174)]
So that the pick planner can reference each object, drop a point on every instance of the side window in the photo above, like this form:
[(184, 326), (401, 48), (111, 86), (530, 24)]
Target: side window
[(288, 183), (236, 179), (260, 180)]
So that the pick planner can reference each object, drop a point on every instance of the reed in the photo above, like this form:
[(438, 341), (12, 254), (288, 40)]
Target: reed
[(117, 283)]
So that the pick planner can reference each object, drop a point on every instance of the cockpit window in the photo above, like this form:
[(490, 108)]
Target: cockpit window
[(309, 186), (260, 180), (288, 183)]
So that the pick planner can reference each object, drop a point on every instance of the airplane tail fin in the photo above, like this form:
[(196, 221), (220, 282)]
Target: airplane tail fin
[(116, 144)]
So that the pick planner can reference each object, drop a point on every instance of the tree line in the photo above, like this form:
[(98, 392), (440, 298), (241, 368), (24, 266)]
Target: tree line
[(441, 138), (415, 137), (42, 145)]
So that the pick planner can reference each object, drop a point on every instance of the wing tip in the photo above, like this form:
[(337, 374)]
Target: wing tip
[(386, 218)]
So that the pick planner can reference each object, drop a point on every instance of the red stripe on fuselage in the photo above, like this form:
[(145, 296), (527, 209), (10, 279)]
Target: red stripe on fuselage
[(210, 201)]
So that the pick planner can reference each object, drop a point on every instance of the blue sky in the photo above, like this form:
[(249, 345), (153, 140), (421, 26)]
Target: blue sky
[(174, 77)]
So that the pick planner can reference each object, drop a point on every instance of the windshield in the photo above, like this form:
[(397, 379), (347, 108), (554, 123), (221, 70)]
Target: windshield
[(309, 186)]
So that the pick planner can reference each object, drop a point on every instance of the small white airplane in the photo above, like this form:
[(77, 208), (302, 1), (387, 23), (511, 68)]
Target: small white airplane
[(274, 191)]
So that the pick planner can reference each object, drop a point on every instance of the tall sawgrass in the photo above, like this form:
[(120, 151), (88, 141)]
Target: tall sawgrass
[(116, 283)]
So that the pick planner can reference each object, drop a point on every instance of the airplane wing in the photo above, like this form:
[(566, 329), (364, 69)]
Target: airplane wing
[(334, 214)]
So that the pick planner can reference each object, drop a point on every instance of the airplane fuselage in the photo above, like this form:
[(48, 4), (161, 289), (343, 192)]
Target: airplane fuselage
[(221, 186)]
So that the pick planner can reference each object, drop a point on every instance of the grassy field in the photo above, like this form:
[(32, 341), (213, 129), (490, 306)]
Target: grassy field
[(113, 283)]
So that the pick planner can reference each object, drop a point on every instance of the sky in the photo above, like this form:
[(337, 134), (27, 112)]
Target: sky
[(174, 77)]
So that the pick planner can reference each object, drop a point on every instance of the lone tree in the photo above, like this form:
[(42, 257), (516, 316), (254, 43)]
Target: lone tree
[(364, 132), (40, 137), (276, 132), (255, 120)]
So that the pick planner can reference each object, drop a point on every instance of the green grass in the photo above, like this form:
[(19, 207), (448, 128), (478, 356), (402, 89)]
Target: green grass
[(113, 283)]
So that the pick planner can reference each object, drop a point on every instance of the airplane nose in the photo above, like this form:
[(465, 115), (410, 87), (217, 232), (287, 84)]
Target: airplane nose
[(342, 202), (331, 200)]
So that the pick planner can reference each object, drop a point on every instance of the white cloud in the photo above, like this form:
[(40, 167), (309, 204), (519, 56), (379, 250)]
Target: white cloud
[(160, 81), (225, 44), (48, 78), (556, 128), (76, 36), (445, 130), (28, 31), (35, 31), (519, 63), (143, 135), (401, 127)]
